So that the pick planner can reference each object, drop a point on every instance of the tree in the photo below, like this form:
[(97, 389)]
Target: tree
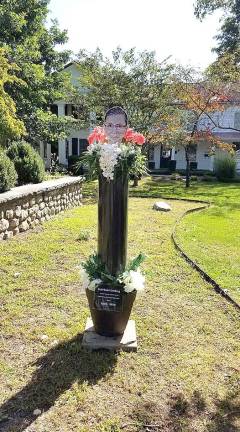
[(229, 37), (134, 80), (32, 47), (195, 99), (10, 126)]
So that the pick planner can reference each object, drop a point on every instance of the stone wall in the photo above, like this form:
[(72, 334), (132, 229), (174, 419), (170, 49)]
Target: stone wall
[(27, 206)]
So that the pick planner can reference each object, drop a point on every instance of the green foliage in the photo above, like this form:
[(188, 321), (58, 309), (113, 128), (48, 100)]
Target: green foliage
[(138, 167), (28, 163), (48, 127), (204, 7), (97, 270), (10, 126), (8, 175), (75, 165), (32, 47), (229, 35), (84, 235), (134, 80), (136, 262), (225, 168)]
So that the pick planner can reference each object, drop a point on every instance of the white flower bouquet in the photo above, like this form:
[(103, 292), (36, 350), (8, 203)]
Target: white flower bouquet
[(107, 159)]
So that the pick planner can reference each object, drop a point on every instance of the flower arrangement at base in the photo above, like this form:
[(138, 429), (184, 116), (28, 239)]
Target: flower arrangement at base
[(94, 273), (109, 159)]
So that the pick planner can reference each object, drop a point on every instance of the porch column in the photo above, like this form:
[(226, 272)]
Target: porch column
[(61, 109)]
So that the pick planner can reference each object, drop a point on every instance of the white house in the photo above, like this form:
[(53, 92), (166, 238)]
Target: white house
[(201, 157), (76, 142), (159, 157)]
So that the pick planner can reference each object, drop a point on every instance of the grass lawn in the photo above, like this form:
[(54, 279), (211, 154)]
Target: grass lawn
[(185, 375), (211, 238)]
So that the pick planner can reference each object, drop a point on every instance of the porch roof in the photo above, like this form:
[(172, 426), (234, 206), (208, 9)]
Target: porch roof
[(229, 136)]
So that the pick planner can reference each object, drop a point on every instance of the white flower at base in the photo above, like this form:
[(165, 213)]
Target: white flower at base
[(94, 283), (84, 278), (133, 280), (86, 282)]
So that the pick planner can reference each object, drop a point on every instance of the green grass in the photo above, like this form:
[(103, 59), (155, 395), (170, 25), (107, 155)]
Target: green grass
[(210, 238), (221, 194), (184, 376)]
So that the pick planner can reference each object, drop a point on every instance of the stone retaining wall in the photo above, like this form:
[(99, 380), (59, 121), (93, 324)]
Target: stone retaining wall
[(26, 206)]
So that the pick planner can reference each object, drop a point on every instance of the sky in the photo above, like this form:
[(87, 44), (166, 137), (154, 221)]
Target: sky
[(165, 26)]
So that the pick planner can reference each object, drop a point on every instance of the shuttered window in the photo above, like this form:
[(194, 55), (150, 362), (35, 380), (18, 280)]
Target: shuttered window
[(237, 120), (75, 146), (83, 143)]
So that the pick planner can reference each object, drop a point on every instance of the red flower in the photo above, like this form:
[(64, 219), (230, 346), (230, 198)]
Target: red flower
[(98, 135), (134, 137), (129, 135), (139, 139)]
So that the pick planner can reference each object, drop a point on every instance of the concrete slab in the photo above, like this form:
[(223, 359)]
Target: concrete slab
[(125, 342)]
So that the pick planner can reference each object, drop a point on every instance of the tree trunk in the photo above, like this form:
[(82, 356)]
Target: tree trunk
[(112, 222), (187, 170), (135, 181)]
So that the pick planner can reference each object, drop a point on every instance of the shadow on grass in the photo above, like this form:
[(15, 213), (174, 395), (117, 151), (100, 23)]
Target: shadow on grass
[(185, 415), (55, 373)]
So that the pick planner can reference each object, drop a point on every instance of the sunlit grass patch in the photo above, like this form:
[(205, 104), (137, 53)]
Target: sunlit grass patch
[(187, 334)]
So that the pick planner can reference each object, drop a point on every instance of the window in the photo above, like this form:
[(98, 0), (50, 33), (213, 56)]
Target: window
[(151, 153), (75, 146), (237, 145), (83, 143), (54, 109), (66, 148), (237, 120)]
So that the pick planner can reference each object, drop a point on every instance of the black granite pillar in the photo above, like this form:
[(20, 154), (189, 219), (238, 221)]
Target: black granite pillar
[(113, 221)]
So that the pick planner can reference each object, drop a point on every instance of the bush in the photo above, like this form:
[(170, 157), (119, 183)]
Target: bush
[(209, 178), (28, 163), (8, 175), (175, 177), (225, 168), (74, 165), (195, 172)]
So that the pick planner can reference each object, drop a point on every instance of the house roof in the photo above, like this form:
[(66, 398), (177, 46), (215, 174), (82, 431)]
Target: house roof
[(71, 64)]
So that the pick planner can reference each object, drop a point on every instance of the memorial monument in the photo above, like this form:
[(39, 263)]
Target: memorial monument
[(111, 284)]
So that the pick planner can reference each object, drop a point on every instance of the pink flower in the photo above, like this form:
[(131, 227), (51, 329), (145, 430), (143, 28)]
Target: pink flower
[(98, 135), (139, 138), (129, 134), (134, 137)]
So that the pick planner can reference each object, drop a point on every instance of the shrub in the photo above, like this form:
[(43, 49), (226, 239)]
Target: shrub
[(74, 165), (8, 175), (225, 168), (84, 235), (175, 176), (208, 178), (28, 163)]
